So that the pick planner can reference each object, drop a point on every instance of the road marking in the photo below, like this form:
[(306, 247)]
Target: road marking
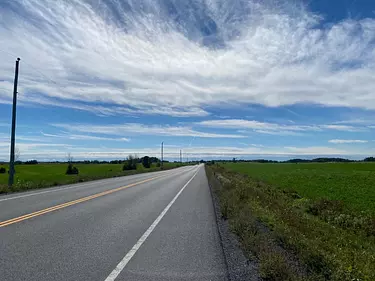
[(70, 203), (42, 192), (120, 267), (67, 188)]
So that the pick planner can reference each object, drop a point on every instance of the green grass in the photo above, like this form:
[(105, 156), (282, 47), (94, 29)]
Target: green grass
[(46, 175), (302, 221), (351, 183)]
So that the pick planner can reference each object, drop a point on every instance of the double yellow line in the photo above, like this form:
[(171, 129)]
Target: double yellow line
[(74, 202)]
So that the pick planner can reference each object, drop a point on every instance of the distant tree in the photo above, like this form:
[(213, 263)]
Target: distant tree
[(234, 160), (130, 163), (298, 161), (154, 160), (146, 162), (71, 170), (3, 170), (369, 159), (31, 162)]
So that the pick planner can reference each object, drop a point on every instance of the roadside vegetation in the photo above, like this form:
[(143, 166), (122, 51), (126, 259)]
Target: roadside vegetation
[(33, 175), (313, 221)]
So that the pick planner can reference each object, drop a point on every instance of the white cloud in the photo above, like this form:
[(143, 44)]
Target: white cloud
[(135, 56), (347, 141), (344, 128), (274, 128), (356, 121), (279, 133), (252, 124), (133, 129), (314, 150), (5, 138), (84, 137)]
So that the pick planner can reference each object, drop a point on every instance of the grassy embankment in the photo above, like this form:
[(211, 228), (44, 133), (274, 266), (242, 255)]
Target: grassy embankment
[(45, 175), (302, 221)]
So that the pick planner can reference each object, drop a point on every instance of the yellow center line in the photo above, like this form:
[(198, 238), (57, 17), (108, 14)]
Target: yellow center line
[(70, 203)]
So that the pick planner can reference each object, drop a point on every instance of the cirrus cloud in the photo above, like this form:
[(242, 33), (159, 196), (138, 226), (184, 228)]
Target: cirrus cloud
[(274, 128), (135, 129), (178, 57), (337, 141)]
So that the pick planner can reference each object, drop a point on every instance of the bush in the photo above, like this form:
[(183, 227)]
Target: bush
[(3, 170), (129, 166), (130, 163), (146, 162), (158, 164), (72, 170)]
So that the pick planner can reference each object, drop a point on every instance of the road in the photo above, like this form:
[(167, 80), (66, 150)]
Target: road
[(154, 226)]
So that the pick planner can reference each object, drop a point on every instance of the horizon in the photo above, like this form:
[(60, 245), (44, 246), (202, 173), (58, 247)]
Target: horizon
[(103, 79), (191, 160)]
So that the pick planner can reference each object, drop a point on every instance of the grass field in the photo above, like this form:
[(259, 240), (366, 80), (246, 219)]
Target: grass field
[(302, 221), (351, 183), (45, 175)]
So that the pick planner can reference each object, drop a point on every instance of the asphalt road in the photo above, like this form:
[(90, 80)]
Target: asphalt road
[(156, 226)]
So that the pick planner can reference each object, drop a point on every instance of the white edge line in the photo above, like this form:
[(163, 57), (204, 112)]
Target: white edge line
[(75, 185), (120, 267)]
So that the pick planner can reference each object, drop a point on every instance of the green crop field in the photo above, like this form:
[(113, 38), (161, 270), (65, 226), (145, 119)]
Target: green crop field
[(351, 183), (311, 221), (44, 175)]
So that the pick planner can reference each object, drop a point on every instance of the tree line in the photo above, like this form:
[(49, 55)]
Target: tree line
[(138, 160), (298, 160)]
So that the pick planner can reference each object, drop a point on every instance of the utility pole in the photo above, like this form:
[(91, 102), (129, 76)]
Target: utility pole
[(180, 156), (162, 151), (13, 134)]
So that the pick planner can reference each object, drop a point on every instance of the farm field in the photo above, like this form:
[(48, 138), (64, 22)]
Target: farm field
[(310, 221), (351, 183), (45, 175)]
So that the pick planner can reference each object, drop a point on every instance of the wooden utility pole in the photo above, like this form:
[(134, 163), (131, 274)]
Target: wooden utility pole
[(13, 134), (162, 152)]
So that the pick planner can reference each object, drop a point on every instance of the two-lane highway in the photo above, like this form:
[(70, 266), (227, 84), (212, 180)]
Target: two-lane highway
[(155, 226)]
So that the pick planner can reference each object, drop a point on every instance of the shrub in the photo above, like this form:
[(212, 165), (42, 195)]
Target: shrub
[(72, 170), (129, 166), (130, 163), (3, 170), (146, 162), (158, 164)]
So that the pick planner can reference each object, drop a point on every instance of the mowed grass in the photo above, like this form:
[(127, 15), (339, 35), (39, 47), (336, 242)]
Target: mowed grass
[(45, 175), (351, 183)]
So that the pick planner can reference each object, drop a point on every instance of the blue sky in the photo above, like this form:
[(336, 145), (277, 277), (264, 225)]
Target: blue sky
[(102, 79)]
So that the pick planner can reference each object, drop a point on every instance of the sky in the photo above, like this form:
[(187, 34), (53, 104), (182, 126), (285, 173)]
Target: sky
[(273, 79)]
